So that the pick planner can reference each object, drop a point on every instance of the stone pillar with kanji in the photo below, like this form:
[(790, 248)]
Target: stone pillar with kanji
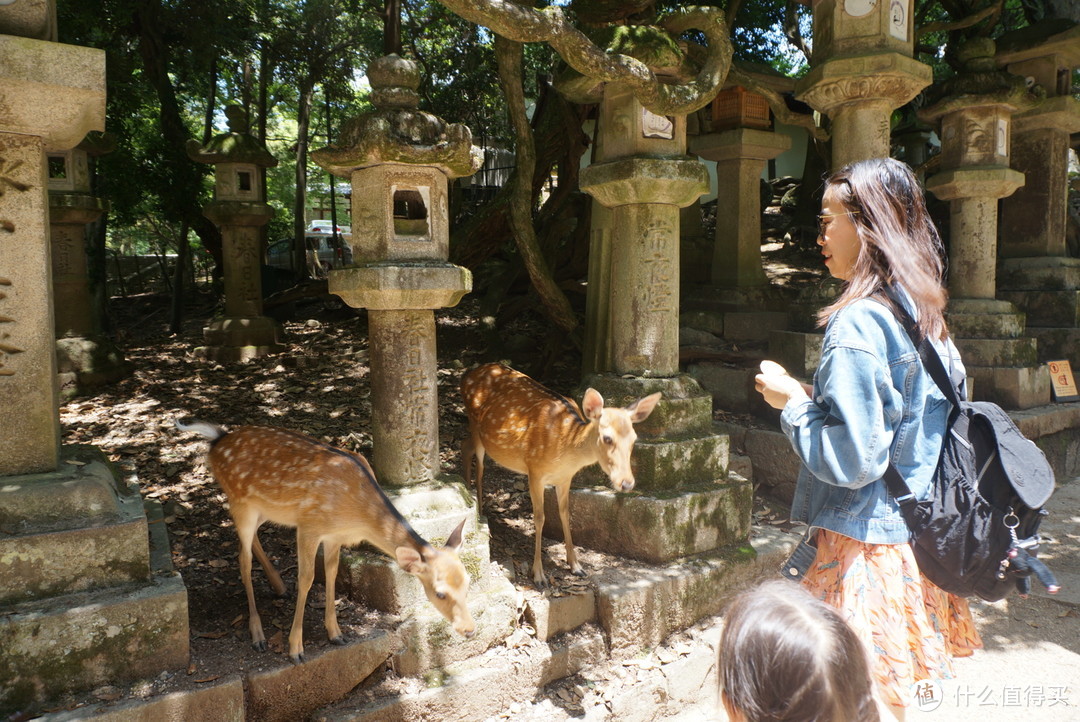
[(1036, 270), (87, 592), (239, 211), (973, 118), (399, 160), (861, 70), (85, 357)]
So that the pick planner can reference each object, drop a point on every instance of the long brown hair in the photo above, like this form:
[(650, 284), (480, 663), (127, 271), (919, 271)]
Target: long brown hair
[(788, 657), (899, 244)]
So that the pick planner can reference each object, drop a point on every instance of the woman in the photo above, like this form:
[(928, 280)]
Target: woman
[(872, 402)]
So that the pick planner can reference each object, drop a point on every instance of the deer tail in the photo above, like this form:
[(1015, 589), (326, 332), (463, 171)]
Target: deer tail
[(210, 431)]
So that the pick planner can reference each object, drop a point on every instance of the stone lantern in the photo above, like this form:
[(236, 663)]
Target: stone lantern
[(239, 211), (1035, 271), (83, 600), (640, 178), (862, 70), (399, 161), (85, 357), (973, 118)]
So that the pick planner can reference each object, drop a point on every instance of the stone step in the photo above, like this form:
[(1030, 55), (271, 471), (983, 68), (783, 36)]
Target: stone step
[(732, 386), (656, 528), (476, 688), (48, 550), (1039, 273), (78, 641), (85, 490), (1046, 308), (796, 351), (994, 352), (1011, 387), (1055, 344)]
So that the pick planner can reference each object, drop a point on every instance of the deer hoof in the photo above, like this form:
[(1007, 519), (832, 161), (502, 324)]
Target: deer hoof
[(338, 640), (579, 572), (260, 645), (297, 658)]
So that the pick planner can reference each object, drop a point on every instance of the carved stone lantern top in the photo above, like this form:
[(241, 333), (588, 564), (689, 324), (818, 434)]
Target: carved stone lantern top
[(1044, 53), (396, 132), (69, 171), (236, 157), (980, 83), (236, 146)]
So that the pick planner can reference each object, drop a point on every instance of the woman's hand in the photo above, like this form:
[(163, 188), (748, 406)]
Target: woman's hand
[(777, 386)]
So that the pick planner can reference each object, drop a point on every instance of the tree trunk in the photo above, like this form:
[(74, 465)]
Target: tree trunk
[(176, 315), (182, 202), (303, 127), (508, 55), (211, 102)]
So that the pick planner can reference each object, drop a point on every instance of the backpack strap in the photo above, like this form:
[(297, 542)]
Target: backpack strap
[(931, 361)]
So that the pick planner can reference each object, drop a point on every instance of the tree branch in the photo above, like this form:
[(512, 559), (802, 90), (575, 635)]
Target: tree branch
[(526, 25), (792, 31), (778, 104), (965, 22)]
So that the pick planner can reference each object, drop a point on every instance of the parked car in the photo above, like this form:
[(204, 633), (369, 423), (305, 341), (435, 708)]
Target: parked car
[(331, 252), (325, 226)]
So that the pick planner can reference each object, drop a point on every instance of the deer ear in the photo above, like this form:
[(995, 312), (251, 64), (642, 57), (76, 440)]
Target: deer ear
[(410, 560), (640, 409), (592, 405), (457, 538)]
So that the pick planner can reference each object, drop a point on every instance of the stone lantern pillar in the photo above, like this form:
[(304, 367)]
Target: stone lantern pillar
[(973, 121), (399, 160), (1035, 272), (85, 357), (642, 176), (238, 210), (861, 70), (83, 600)]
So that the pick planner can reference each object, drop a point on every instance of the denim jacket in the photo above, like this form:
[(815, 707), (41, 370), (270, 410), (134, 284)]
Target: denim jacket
[(873, 402)]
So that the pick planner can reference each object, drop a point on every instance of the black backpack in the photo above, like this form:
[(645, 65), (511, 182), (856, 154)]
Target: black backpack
[(977, 532)]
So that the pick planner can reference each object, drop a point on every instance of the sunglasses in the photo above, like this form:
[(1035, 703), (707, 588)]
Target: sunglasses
[(822, 224)]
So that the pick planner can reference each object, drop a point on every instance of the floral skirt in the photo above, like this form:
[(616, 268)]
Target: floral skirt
[(911, 627)]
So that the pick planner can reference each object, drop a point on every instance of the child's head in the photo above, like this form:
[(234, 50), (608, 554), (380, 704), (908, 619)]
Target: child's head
[(786, 656)]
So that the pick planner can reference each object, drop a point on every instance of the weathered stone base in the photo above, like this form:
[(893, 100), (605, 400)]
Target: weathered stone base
[(655, 528), (684, 408), (374, 579), (104, 605), (796, 351), (86, 362), (1011, 387), (1055, 344), (1047, 307), (229, 340)]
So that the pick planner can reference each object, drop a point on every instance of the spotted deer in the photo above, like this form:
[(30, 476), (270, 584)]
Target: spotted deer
[(527, 428), (331, 497)]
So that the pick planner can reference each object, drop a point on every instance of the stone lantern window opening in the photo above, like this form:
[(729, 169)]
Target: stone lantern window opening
[(243, 181), (235, 182), (68, 171), (57, 167), (411, 205)]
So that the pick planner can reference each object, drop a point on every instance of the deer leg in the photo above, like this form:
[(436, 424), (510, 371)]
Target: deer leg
[(562, 491), (536, 493), (247, 526), (306, 546), (331, 557), (268, 567)]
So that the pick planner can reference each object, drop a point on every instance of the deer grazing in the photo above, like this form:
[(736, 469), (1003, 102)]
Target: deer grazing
[(530, 429), (331, 496)]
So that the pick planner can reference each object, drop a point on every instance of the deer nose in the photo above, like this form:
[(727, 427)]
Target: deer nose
[(626, 485)]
